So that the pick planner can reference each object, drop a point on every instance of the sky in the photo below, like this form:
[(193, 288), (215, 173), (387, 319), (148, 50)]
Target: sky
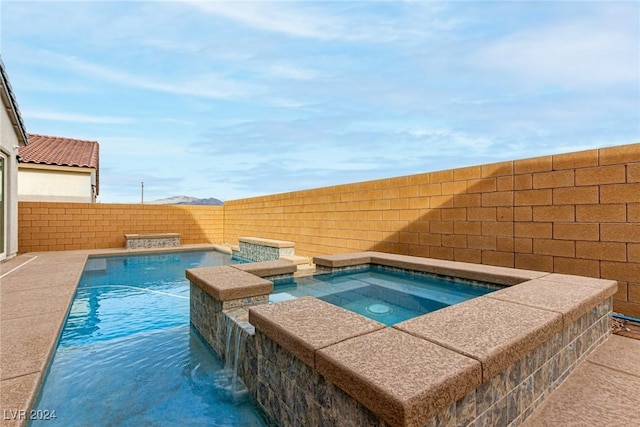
[(240, 99)]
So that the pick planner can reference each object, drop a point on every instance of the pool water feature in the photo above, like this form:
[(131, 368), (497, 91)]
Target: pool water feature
[(388, 296), (128, 355)]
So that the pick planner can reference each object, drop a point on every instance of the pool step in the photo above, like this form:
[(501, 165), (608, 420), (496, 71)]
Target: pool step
[(296, 259)]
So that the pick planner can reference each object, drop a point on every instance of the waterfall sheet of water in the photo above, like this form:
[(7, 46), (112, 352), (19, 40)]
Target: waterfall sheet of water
[(234, 345)]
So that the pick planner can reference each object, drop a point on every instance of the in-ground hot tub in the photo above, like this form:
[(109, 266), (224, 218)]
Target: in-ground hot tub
[(490, 360), (386, 294)]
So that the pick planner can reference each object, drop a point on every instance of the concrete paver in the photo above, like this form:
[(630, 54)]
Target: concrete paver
[(602, 391)]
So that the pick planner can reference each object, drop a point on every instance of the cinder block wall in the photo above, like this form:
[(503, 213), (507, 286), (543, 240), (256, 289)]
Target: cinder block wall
[(575, 213), (69, 226)]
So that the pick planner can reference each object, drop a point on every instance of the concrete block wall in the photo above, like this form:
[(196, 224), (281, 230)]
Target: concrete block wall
[(574, 213), (45, 226)]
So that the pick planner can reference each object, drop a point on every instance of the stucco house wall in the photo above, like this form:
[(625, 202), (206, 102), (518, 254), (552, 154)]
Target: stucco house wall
[(56, 183), (12, 135), (9, 140)]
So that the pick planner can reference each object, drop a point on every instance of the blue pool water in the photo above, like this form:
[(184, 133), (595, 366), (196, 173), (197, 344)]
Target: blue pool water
[(381, 294), (128, 356)]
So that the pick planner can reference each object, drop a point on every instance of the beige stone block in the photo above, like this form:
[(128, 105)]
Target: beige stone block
[(601, 175), (633, 290), (569, 299), (578, 267), (454, 214), (482, 185), (601, 213), (505, 183), (428, 190), (633, 172), (228, 283), (497, 169), (620, 193), (480, 214), (499, 198), (403, 379), (523, 182), (467, 227), (441, 176), (523, 213), (633, 252), (575, 195), (533, 197), (305, 325), (537, 164), (497, 228), (523, 245), (454, 187), (467, 200), (496, 258), (554, 247), (564, 178), (496, 341), (581, 159), (440, 252), (553, 213), (574, 231), (534, 262), (611, 251), (454, 241), (628, 233), (482, 242), (467, 255), (620, 155), (622, 271)]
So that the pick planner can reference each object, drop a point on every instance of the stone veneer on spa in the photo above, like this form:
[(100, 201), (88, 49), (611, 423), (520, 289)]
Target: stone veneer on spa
[(259, 249), (151, 241), (488, 361)]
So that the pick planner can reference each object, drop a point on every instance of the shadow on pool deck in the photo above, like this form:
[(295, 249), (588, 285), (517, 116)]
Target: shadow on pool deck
[(36, 290)]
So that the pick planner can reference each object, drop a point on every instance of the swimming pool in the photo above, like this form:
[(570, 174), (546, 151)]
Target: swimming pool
[(387, 295), (128, 356)]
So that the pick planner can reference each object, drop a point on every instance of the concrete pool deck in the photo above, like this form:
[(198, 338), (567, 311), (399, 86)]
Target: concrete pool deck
[(36, 290)]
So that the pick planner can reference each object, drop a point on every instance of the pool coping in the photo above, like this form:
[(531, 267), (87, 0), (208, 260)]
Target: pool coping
[(36, 291), (539, 306)]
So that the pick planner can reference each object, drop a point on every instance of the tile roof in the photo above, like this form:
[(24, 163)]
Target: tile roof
[(53, 150)]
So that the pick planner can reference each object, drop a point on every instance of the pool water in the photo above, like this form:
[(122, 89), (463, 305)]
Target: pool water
[(381, 294), (128, 355)]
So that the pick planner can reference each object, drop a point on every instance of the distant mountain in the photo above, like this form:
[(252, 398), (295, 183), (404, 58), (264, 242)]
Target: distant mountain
[(186, 200)]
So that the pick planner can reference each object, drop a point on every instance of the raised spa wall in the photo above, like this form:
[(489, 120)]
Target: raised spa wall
[(259, 249), (487, 361)]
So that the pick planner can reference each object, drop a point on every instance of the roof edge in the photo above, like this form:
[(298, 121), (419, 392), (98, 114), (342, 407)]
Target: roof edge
[(9, 99)]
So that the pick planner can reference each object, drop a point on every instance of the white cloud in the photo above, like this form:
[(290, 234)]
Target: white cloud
[(74, 117), (569, 54), (346, 21), (288, 71), (210, 85)]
